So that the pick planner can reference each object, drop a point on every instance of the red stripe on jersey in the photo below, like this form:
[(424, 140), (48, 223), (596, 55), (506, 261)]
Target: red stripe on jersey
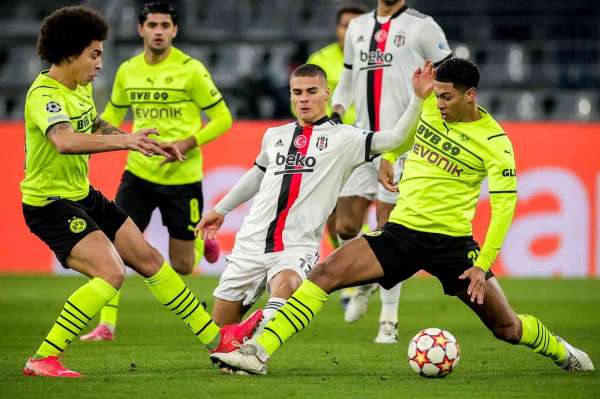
[(378, 76), (294, 191)]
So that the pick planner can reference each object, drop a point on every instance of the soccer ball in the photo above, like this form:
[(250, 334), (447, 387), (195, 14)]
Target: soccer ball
[(433, 352)]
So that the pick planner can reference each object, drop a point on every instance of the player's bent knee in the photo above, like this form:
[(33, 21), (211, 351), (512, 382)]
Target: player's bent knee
[(347, 231), (113, 274), (285, 286), (325, 276), (183, 267)]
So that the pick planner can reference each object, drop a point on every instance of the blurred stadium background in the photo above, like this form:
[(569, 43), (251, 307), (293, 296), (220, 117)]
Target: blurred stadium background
[(540, 63)]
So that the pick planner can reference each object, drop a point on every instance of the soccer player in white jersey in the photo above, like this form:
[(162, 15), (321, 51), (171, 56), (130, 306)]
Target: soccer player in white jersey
[(295, 182), (382, 49)]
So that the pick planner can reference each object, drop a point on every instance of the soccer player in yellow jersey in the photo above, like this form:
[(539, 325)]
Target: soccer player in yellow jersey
[(167, 89), (457, 144), (87, 232)]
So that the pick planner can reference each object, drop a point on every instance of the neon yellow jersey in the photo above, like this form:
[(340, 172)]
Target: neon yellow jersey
[(168, 96), (331, 59), (443, 174), (50, 175)]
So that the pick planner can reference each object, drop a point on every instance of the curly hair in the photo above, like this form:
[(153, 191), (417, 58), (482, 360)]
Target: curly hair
[(68, 31), (461, 72)]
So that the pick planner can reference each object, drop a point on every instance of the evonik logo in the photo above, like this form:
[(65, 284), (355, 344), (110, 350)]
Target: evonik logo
[(295, 163)]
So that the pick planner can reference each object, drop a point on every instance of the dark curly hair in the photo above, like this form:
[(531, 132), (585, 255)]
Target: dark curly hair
[(157, 7), (462, 73), (68, 31)]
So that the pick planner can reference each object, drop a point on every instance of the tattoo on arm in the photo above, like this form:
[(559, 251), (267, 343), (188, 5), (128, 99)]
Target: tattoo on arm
[(59, 128), (100, 126)]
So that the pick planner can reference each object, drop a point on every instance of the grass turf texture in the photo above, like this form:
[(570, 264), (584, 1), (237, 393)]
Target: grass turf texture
[(154, 355)]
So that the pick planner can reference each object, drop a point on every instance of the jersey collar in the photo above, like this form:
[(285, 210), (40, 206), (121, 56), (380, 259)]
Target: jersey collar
[(394, 15), (316, 123)]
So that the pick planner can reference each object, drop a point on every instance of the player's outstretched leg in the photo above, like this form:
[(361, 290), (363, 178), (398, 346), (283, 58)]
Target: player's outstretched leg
[(350, 265), (93, 256), (105, 330), (498, 316), (170, 290)]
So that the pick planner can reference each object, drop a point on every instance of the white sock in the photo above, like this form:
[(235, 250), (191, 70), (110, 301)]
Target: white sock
[(271, 307), (389, 303)]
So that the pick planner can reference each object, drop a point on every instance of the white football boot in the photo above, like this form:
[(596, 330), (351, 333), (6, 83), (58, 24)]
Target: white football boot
[(577, 360), (359, 303), (249, 357), (388, 333)]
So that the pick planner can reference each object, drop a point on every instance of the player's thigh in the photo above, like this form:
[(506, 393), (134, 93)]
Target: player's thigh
[(135, 250), (181, 209), (351, 264), (448, 257), (96, 256), (227, 312), (136, 198), (243, 280), (75, 238), (287, 270), (495, 312)]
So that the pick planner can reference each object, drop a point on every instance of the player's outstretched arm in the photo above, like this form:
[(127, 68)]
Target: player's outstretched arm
[(66, 141), (244, 189), (401, 136)]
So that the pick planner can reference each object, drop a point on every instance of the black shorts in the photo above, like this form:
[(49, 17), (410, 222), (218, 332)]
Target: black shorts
[(63, 223), (402, 252), (179, 205)]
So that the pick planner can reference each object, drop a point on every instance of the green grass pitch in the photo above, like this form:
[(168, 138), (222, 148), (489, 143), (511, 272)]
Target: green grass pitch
[(156, 356)]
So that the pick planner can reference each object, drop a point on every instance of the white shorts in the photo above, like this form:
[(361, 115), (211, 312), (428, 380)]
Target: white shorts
[(246, 276), (363, 183)]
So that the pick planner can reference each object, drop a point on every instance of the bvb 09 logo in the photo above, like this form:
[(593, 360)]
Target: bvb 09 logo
[(77, 225), (473, 254)]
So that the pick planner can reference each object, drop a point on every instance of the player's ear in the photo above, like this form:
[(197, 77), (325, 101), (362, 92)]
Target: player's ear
[(470, 95)]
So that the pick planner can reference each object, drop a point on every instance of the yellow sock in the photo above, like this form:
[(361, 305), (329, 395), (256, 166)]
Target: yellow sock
[(292, 317), (80, 308), (537, 337), (171, 291), (110, 311)]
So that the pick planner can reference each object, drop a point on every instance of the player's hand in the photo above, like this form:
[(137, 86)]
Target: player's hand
[(209, 225), (476, 288), (139, 141), (386, 176), (423, 78), (174, 153)]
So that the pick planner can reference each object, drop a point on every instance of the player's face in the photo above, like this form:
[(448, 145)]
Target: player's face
[(309, 96), (85, 66), (158, 32), (453, 103), (340, 28)]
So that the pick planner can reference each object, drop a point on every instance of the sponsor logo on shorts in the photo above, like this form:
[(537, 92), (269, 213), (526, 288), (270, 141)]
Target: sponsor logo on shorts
[(473, 254), (77, 225)]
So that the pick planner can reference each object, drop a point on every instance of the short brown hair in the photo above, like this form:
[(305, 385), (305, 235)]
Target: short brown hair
[(352, 8), (310, 70), (68, 31)]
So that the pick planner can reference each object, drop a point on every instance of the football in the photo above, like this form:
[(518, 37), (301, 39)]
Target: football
[(433, 352)]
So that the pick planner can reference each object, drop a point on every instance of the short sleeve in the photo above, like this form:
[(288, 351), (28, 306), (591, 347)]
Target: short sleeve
[(432, 42), (500, 165), (358, 148), (46, 108), (203, 90)]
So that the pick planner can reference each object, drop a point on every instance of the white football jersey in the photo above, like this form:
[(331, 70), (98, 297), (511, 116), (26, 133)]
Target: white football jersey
[(305, 169), (383, 58)]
